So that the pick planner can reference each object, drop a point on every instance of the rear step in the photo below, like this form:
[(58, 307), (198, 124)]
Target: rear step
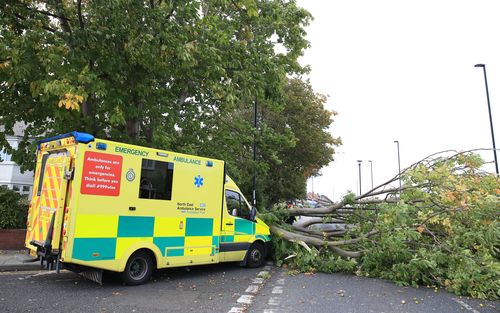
[(45, 253)]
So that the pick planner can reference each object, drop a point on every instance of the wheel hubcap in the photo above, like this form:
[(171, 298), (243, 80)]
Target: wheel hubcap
[(256, 255), (138, 268)]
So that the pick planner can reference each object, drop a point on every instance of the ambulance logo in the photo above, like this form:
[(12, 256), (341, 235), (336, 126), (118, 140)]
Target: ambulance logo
[(130, 175), (198, 181)]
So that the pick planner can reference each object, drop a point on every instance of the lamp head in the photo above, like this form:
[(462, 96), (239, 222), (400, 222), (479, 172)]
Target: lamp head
[(479, 65)]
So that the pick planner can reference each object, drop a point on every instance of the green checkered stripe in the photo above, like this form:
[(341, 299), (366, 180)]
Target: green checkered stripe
[(143, 227), (243, 228)]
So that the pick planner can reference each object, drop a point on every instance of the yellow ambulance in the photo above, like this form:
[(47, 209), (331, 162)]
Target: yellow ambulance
[(102, 205)]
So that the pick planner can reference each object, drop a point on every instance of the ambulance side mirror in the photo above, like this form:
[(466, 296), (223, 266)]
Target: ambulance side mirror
[(253, 213), (234, 212)]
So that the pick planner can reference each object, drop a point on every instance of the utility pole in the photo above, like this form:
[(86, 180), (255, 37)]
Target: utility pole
[(489, 111), (359, 169), (371, 170), (399, 167)]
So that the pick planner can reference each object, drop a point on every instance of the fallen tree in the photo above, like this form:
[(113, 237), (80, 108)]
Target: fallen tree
[(440, 228)]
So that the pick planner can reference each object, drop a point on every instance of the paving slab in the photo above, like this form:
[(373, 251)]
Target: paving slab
[(17, 260)]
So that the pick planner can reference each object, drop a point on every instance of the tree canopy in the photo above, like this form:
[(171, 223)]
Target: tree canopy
[(177, 75)]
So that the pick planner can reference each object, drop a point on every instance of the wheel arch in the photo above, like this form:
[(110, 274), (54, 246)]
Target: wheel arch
[(149, 248), (256, 242)]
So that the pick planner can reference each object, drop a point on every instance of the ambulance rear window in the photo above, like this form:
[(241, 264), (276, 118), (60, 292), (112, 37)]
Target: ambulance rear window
[(156, 180), (42, 173)]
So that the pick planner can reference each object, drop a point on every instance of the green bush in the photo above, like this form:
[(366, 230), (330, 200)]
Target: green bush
[(13, 209)]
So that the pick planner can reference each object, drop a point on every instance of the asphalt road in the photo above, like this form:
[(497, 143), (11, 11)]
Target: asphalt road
[(322, 293), (201, 289), (225, 288)]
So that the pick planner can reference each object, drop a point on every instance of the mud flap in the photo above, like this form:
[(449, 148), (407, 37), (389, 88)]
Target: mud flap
[(93, 275), (89, 273)]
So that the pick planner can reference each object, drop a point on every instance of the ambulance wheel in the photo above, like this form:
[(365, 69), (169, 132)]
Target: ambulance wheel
[(256, 255), (138, 269)]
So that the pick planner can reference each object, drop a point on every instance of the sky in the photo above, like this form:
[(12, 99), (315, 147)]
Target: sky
[(402, 70)]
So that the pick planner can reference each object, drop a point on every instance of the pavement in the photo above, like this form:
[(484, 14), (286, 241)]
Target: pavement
[(17, 260)]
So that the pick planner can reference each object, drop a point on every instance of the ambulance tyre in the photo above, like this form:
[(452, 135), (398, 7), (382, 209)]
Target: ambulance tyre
[(256, 255), (138, 269)]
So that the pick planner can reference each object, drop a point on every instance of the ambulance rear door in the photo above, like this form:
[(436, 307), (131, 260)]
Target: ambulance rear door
[(47, 207)]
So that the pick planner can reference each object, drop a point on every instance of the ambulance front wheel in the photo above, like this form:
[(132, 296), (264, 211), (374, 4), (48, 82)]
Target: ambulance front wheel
[(256, 255), (138, 269)]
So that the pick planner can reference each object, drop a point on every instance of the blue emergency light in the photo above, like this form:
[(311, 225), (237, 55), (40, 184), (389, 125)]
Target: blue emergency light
[(101, 146)]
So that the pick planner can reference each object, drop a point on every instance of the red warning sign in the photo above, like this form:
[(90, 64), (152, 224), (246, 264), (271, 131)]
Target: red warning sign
[(101, 174)]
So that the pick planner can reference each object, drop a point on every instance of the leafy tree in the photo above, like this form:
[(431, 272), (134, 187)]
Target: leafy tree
[(157, 73), (177, 75), (293, 143), (312, 147)]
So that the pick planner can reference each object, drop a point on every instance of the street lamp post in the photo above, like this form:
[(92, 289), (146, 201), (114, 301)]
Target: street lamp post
[(489, 111), (359, 169), (399, 166), (254, 191), (371, 170)]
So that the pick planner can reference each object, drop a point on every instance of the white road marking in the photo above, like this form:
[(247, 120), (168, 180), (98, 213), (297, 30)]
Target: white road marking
[(257, 280), (252, 289), (274, 301), (465, 305), (246, 299)]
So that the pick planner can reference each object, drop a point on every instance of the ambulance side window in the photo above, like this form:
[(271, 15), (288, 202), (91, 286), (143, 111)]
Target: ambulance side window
[(156, 180), (236, 206), (233, 202)]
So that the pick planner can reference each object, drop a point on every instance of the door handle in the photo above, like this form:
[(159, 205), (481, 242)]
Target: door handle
[(131, 208), (229, 224)]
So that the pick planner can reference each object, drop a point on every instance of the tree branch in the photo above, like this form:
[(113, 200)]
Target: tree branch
[(59, 7), (22, 18), (80, 17), (332, 245)]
